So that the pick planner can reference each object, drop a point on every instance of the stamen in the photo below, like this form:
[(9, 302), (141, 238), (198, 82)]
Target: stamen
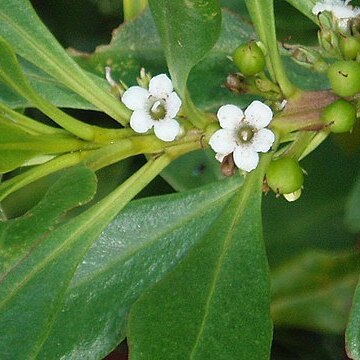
[(158, 110)]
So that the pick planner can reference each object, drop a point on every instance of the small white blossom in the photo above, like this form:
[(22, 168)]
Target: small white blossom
[(154, 108), (341, 10), (243, 134)]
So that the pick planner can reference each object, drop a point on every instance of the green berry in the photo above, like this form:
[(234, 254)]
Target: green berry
[(344, 77), (249, 58), (349, 47), (284, 176), (341, 114)]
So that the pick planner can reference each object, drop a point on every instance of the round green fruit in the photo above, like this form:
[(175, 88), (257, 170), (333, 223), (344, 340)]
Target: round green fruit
[(341, 115), (249, 58), (344, 77), (349, 47), (284, 176)]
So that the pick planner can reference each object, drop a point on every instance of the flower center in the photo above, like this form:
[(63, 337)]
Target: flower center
[(157, 110), (245, 134)]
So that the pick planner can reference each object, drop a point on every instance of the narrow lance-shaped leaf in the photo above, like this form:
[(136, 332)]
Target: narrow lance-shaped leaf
[(20, 26), (188, 30), (33, 289), (144, 242), (216, 302)]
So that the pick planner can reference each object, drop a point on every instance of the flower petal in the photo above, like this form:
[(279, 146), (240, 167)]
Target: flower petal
[(223, 141), (135, 98), (245, 159), (166, 129), (160, 86), (141, 121), (230, 116), (263, 140), (343, 12), (173, 104), (258, 114)]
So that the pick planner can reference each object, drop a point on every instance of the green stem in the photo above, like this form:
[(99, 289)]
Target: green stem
[(25, 123), (50, 145), (9, 186), (132, 8), (136, 145), (262, 15), (107, 155)]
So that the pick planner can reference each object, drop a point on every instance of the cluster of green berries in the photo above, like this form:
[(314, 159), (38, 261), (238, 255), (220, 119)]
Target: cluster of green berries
[(344, 78)]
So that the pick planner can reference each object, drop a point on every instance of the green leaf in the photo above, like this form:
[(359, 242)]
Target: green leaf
[(76, 187), (197, 168), (22, 28), (188, 30), (49, 88), (352, 335), (33, 289), (144, 242), (352, 210), (131, 48), (307, 289), (305, 7), (215, 304)]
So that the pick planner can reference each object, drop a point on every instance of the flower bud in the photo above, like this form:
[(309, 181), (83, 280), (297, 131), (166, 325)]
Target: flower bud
[(344, 77), (340, 115), (249, 58), (284, 175), (349, 47)]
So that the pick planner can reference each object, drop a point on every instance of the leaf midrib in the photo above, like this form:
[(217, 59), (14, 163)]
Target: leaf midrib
[(245, 193)]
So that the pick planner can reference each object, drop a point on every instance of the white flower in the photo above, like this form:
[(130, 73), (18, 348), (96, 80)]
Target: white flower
[(243, 134), (339, 9), (156, 107)]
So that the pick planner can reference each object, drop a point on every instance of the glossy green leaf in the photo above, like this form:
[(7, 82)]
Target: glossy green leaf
[(305, 7), (314, 291), (131, 48), (188, 30), (216, 302), (49, 88), (33, 288), (145, 241), (197, 168), (352, 335), (352, 214), (33, 276), (21, 27)]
